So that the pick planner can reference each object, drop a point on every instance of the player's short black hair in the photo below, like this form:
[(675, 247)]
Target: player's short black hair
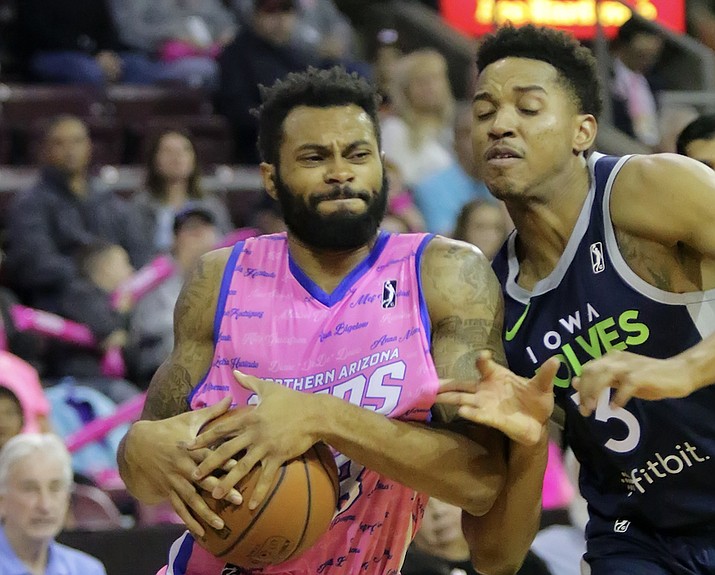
[(314, 88), (701, 128), (575, 63)]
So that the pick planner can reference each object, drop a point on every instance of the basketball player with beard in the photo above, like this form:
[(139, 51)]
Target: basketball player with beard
[(340, 333)]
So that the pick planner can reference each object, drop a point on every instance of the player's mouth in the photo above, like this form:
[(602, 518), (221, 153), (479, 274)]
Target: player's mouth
[(500, 155)]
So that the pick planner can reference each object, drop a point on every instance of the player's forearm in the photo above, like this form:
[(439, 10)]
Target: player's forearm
[(442, 463), (518, 505), (699, 362)]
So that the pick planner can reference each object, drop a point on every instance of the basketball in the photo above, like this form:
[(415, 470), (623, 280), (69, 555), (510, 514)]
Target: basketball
[(296, 511)]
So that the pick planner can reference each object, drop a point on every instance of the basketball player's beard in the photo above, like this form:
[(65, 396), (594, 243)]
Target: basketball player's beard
[(341, 230)]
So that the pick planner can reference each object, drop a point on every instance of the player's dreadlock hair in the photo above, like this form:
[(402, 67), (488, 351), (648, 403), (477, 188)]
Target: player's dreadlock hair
[(575, 63), (314, 88)]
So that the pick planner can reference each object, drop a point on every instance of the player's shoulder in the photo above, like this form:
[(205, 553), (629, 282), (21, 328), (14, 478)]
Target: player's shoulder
[(442, 251), (456, 274), (645, 173)]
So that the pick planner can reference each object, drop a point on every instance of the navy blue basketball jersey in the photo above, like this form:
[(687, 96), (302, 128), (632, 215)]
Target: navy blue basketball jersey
[(652, 462)]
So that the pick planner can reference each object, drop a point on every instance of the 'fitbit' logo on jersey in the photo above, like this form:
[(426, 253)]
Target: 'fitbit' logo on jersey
[(389, 293), (597, 260), (621, 525)]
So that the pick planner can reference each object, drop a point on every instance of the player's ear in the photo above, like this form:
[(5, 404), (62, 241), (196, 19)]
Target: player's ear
[(584, 133), (268, 175)]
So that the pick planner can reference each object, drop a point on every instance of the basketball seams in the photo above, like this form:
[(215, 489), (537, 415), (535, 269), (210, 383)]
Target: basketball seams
[(309, 506), (258, 514)]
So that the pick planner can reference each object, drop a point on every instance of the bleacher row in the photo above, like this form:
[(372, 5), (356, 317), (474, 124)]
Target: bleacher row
[(122, 119)]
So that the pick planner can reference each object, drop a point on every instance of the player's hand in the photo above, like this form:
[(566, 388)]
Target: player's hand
[(160, 456), (281, 427), (516, 406), (631, 375)]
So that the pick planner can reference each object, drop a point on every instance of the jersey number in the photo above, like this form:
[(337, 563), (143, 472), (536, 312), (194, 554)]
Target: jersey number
[(605, 412)]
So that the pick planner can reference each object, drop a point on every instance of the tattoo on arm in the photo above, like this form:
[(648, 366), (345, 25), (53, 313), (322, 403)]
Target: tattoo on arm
[(168, 393)]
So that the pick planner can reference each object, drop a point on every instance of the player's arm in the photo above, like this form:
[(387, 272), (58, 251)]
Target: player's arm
[(467, 309), (462, 468), (670, 200), (153, 460)]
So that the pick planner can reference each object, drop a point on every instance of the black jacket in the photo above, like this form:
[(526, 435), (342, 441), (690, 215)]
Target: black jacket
[(46, 226)]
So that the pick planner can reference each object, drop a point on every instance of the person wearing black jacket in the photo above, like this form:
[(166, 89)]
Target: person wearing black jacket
[(76, 41), (63, 212)]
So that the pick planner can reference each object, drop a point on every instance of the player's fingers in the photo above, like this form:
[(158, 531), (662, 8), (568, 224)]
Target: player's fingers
[(546, 374), (240, 470), (211, 482), (623, 394), (249, 382), (587, 395), (186, 491), (183, 512), (221, 457), (454, 384), (455, 398), (485, 364), (202, 416), (198, 456), (269, 469), (219, 432)]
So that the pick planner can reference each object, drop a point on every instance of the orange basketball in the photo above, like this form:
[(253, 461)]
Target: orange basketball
[(296, 512)]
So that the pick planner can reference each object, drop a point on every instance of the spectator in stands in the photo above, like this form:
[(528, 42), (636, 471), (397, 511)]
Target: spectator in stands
[(11, 416), (636, 49), (260, 54), (697, 140), (400, 204), (186, 35), (428, 137), (35, 487), (151, 333), (75, 41), (562, 546), (439, 547), (320, 29), (173, 179), (60, 214), (28, 346), (485, 224), (88, 300), (23, 404)]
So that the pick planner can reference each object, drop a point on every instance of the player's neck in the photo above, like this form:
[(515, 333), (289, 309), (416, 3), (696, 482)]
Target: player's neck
[(327, 268), (545, 221)]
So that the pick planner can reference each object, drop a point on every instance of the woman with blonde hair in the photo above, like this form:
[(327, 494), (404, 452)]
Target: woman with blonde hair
[(420, 139)]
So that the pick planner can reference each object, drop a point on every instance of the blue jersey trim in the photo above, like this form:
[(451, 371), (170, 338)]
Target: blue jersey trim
[(225, 286), (424, 312), (221, 305), (182, 557), (344, 286)]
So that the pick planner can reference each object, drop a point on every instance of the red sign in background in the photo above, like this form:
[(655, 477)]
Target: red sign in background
[(477, 17)]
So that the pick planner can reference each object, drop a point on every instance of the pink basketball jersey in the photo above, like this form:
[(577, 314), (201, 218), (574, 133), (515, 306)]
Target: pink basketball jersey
[(367, 342)]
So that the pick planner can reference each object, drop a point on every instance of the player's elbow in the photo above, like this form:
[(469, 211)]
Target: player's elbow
[(496, 565), (484, 493)]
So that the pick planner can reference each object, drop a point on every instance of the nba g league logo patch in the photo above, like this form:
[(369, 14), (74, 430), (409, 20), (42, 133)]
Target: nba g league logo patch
[(598, 263), (389, 293)]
